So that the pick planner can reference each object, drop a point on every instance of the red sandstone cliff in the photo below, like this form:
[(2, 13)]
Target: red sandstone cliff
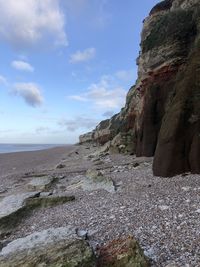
[(161, 115)]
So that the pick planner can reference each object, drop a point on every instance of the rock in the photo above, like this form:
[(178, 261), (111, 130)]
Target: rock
[(46, 194), (82, 233), (161, 116), (52, 247), (40, 183), (13, 203), (14, 208), (43, 202), (99, 162), (86, 138), (170, 157), (172, 265), (163, 207), (101, 151), (96, 180), (94, 175), (136, 164), (122, 253), (61, 166), (10, 207)]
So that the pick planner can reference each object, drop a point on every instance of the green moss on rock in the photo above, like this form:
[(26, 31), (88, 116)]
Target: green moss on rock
[(179, 25)]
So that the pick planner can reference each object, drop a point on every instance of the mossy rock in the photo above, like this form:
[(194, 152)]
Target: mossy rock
[(8, 222), (53, 248), (122, 253), (178, 25)]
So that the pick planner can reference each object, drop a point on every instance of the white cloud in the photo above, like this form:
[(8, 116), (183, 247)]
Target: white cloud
[(30, 92), (42, 129), (3, 80), (22, 65), (78, 123), (104, 95), (83, 56), (26, 23), (82, 98)]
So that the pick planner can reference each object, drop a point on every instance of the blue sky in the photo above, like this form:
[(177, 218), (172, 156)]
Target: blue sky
[(65, 65)]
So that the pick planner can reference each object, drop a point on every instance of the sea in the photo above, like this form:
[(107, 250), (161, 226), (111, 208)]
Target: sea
[(8, 148)]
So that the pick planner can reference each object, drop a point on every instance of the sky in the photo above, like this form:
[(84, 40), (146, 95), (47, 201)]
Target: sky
[(65, 65)]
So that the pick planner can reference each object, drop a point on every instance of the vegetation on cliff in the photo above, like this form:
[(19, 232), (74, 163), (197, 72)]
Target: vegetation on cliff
[(161, 116)]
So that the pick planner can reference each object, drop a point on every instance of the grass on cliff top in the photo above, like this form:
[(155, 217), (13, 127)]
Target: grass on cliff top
[(179, 25)]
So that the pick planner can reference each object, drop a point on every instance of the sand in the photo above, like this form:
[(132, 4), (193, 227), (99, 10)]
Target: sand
[(162, 213)]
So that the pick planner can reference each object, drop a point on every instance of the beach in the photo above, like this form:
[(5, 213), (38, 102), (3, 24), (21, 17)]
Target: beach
[(127, 200)]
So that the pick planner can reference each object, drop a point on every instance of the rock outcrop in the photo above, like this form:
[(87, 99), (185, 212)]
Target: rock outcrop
[(161, 115), (52, 247), (122, 253)]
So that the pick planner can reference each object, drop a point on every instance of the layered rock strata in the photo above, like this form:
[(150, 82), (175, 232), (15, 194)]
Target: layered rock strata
[(161, 115)]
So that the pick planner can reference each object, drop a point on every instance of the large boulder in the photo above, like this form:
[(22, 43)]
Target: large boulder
[(58, 247), (124, 252)]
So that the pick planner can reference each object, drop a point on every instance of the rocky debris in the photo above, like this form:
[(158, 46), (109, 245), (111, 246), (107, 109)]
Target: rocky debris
[(15, 207), (40, 183), (161, 213), (82, 233), (46, 194), (61, 166), (101, 151), (52, 247), (93, 180), (43, 202), (86, 138), (95, 175), (13, 203), (10, 206), (96, 180), (124, 252), (172, 265)]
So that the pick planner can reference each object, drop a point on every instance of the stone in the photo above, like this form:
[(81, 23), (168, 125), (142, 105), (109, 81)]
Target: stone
[(96, 180), (86, 138), (40, 183), (61, 166), (163, 207), (14, 203), (124, 252), (172, 265), (43, 202), (95, 175), (52, 247), (15, 207), (82, 233), (161, 116), (10, 208)]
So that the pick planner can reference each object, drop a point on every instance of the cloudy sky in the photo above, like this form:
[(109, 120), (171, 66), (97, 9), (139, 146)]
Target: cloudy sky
[(65, 65)]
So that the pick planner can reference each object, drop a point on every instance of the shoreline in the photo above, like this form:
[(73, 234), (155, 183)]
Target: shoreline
[(36, 147), (24, 161)]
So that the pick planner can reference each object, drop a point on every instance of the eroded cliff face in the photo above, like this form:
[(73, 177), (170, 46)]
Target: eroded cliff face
[(161, 115)]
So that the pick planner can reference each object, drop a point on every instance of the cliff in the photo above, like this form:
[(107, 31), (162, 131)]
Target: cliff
[(162, 111)]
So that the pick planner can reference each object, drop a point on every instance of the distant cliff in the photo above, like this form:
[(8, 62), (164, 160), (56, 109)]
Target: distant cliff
[(161, 117)]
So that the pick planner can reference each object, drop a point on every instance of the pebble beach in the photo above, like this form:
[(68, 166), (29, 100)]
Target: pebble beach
[(163, 214)]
